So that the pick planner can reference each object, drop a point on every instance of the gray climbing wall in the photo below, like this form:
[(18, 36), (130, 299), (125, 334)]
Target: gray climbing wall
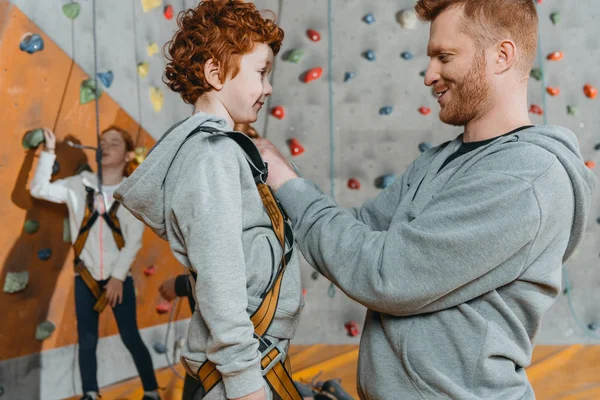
[(364, 144)]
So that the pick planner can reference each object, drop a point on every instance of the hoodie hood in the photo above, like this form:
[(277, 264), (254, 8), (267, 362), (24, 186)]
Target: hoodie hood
[(143, 192), (564, 145)]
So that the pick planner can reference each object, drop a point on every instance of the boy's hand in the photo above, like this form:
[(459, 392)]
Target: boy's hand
[(114, 291), (49, 140), (280, 170)]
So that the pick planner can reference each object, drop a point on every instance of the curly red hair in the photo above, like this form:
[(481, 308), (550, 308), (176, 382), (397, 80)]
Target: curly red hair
[(222, 30)]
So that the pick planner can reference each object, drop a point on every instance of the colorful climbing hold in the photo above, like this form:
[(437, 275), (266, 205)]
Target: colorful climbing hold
[(168, 12), (597, 147), (592, 327), (407, 55), (384, 181), (572, 111), (553, 91), (16, 281), (106, 78), (369, 18), (32, 43), (314, 276), (278, 112), (407, 19), (159, 347), (33, 139), (163, 307), (31, 226), (44, 330), (535, 109), (88, 91), (556, 56), (590, 164), (71, 10), (150, 270), (349, 75), (590, 91), (152, 49), (45, 254), (555, 17), (140, 153), (423, 147), (352, 328), (537, 74), (303, 292), (423, 73), (148, 5), (387, 110), (425, 110), (55, 168), (353, 184), (313, 35), (295, 147), (142, 69), (313, 74), (157, 98), (369, 55), (293, 56), (66, 233)]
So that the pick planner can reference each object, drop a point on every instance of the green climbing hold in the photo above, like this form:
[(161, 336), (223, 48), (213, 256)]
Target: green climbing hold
[(422, 73), (537, 74), (71, 10), (33, 139), (555, 17), (294, 56), (572, 111), (31, 226), (89, 92), (66, 231), (16, 281), (44, 330)]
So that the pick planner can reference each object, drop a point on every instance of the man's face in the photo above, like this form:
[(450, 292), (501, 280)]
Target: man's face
[(457, 71)]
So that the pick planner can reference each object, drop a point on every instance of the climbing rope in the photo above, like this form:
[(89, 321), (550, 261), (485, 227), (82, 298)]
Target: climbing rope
[(171, 314), (137, 75), (96, 100)]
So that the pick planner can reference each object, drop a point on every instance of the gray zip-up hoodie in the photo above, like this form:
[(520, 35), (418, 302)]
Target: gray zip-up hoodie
[(457, 267), (201, 197)]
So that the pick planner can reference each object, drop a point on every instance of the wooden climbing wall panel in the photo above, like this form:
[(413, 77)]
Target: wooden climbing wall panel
[(42, 90)]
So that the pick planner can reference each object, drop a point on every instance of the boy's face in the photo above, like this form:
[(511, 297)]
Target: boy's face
[(244, 95)]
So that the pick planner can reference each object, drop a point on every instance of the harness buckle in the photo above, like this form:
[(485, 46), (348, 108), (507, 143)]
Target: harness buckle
[(278, 358)]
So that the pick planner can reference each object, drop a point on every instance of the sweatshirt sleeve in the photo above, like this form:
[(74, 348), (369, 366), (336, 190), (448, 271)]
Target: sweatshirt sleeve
[(133, 230), (42, 188), (208, 206), (466, 242)]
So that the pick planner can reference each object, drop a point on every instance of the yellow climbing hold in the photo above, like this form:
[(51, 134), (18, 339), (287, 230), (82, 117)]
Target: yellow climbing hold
[(151, 4), (157, 98), (153, 49), (140, 154), (143, 68)]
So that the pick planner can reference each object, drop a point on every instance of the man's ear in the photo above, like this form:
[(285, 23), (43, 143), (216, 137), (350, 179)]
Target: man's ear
[(506, 56), (212, 73)]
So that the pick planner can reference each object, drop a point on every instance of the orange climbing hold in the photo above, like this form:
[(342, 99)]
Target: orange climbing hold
[(168, 11), (553, 91), (151, 270), (313, 35), (425, 110), (278, 112), (535, 109), (590, 164), (163, 307), (313, 74), (353, 184), (590, 91), (295, 147), (556, 56)]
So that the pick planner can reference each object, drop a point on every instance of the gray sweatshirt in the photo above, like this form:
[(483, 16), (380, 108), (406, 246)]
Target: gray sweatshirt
[(457, 267), (202, 199)]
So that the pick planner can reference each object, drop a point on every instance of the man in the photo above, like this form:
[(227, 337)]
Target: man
[(460, 258)]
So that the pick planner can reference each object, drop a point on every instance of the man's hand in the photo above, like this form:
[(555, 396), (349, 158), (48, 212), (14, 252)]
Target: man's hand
[(49, 140), (258, 395), (280, 170), (167, 289), (114, 291)]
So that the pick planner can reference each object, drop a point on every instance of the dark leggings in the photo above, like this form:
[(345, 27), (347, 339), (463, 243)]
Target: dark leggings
[(87, 330)]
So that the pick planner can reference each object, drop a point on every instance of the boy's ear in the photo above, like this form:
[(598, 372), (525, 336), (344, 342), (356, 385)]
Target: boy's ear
[(212, 73)]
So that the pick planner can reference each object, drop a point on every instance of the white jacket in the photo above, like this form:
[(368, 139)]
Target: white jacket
[(100, 252)]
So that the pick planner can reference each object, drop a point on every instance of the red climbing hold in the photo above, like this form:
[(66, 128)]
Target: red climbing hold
[(425, 110), (556, 56), (552, 91), (313, 35), (590, 91), (303, 292), (151, 270), (535, 109), (590, 164), (353, 183), (352, 328), (312, 74), (278, 112), (295, 147), (168, 11), (163, 307)]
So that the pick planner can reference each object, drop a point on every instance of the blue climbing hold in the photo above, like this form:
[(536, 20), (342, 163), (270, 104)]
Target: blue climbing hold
[(407, 55), (106, 78), (44, 254), (348, 76), (597, 147), (369, 55), (159, 347), (32, 43), (423, 73), (592, 327), (387, 110), (369, 18), (423, 147), (384, 181), (598, 220), (55, 168)]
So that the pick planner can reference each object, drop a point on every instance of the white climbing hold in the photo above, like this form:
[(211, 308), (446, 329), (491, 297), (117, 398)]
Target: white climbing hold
[(407, 19), (16, 281)]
